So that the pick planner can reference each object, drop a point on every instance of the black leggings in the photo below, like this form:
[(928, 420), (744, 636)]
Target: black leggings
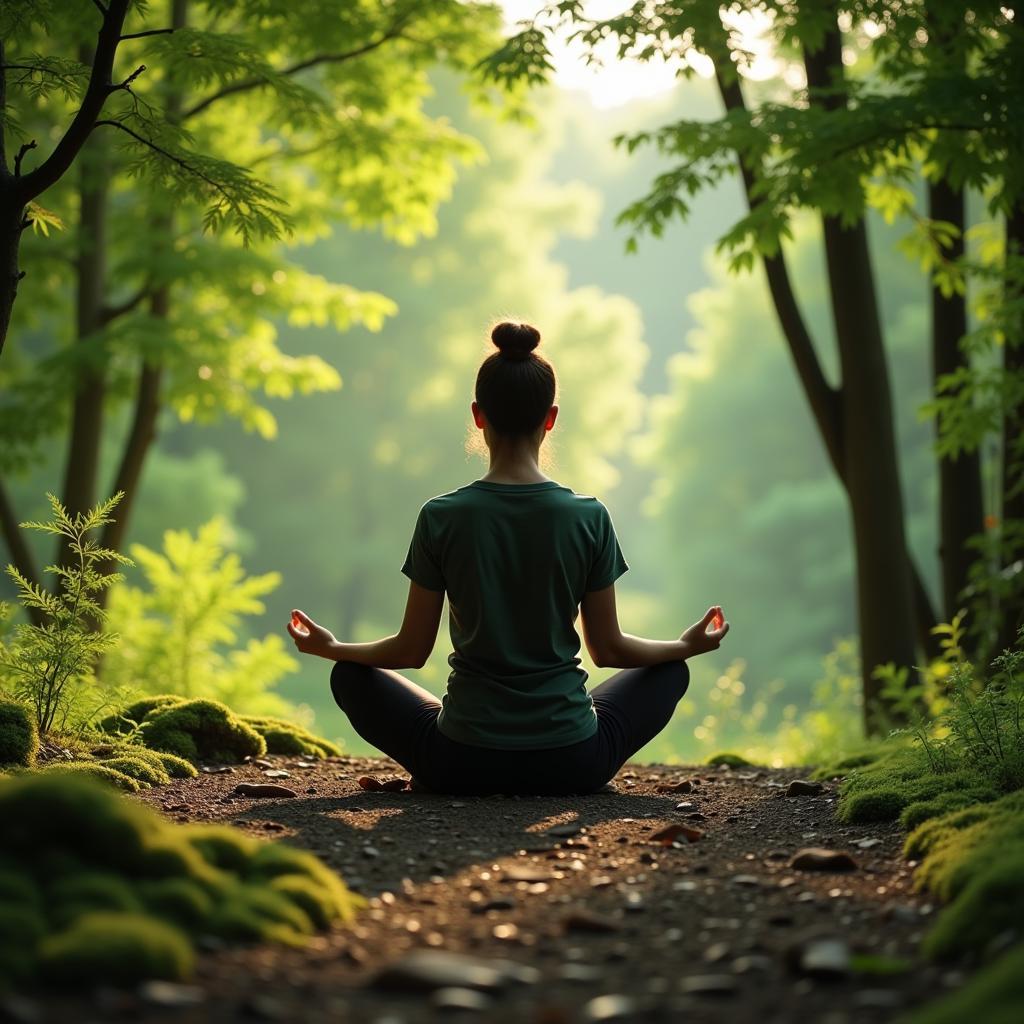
[(400, 718)]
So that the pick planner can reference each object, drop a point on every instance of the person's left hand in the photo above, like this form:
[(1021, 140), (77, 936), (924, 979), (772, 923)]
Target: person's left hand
[(309, 637)]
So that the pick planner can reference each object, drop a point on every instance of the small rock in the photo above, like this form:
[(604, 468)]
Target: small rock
[(747, 880), (820, 956), (710, 985), (674, 833), (611, 1008), (170, 994), (460, 999), (216, 770), (569, 829), (277, 773), (867, 844), (262, 762), (686, 806), (750, 963), (676, 787), (526, 873), (499, 904), (583, 974), (585, 921), (815, 858), (426, 970), (264, 789), (803, 787), (716, 952)]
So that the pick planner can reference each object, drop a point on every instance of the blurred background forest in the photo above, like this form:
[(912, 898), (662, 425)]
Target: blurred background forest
[(314, 389)]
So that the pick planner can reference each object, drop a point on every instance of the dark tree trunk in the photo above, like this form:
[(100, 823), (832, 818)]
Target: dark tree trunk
[(1011, 611), (825, 400), (961, 515), (85, 441), (885, 585)]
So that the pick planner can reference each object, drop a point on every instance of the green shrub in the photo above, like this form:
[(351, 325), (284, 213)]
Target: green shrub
[(94, 770), (140, 769), (201, 730), (19, 737), (732, 760), (993, 996), (122, 949), (287, 738)]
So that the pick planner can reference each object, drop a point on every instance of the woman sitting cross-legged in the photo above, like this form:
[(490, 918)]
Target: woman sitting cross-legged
[(519, 556)]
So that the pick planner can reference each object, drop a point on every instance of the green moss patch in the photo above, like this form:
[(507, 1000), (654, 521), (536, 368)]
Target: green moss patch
[(732, 760), (94, 770), (128, 718), (201, 730), (284, 737), (98, 889), (19, 738), (994, 996)]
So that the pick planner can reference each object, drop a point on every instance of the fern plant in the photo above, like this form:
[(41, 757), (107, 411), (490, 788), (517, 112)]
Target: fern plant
[(49, 665)]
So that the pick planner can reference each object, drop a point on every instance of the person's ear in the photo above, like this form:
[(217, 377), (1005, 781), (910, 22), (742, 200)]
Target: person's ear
[(549, 422), (478, 416)]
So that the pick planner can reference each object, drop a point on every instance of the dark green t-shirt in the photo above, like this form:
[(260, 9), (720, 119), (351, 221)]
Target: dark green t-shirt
[(515, 561)]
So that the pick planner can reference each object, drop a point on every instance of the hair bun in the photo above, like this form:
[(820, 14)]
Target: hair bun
[(515, 341)]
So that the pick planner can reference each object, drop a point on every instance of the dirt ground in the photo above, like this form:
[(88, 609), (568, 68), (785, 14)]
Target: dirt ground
[(599, 921)]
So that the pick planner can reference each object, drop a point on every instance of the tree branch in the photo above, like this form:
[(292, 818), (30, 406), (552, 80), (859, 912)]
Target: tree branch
[(103, 10), (110, 313), (21, 556), (324, 58), (148, 32), (823, 398), (63, 155), (3, 114), (25, 147), (126, 85)]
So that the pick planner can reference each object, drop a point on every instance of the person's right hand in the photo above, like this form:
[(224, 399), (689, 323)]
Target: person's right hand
[(700, 638)]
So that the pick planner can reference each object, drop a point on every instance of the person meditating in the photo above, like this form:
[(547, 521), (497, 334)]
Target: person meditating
[(519, 556)]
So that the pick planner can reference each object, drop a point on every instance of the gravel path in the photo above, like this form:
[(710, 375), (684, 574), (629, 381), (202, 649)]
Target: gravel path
[(570, 911)]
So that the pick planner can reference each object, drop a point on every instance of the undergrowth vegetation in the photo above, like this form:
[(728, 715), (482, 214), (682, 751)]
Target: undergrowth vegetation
[(98, 888), (954, 779)]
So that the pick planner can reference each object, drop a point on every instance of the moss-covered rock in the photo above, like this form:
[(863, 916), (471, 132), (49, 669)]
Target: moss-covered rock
[(176, 767), (989, 905), (19, 737), (94, 770), (131, 716), (142, 770), (732, 760), (993, 996), (287, 738), (201, 730), (69, 897), (120, 949), (90, 879)]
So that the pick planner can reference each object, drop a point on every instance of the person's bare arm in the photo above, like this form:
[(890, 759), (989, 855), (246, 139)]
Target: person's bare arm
[(609, 647), (408, 648)]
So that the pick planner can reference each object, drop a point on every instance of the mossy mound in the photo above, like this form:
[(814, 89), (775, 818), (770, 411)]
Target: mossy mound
[(284, 737), (94, 770), (885, 788), (128, 718), (993, 996), (105, 891), (19, 737), (843, 765), (143, 770), (201, 730), (731, 760), (120, 949)]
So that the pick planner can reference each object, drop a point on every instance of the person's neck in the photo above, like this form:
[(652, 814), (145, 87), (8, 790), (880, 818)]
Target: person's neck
[(519, 465)]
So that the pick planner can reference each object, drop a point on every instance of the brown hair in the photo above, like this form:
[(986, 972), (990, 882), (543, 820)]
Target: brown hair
[(515, 387)]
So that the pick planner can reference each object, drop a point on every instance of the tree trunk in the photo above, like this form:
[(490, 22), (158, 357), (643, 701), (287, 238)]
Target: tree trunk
[(1011, 611), (12, 214), (824, 399), (85, 441), (885, 586), (961, 515)]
